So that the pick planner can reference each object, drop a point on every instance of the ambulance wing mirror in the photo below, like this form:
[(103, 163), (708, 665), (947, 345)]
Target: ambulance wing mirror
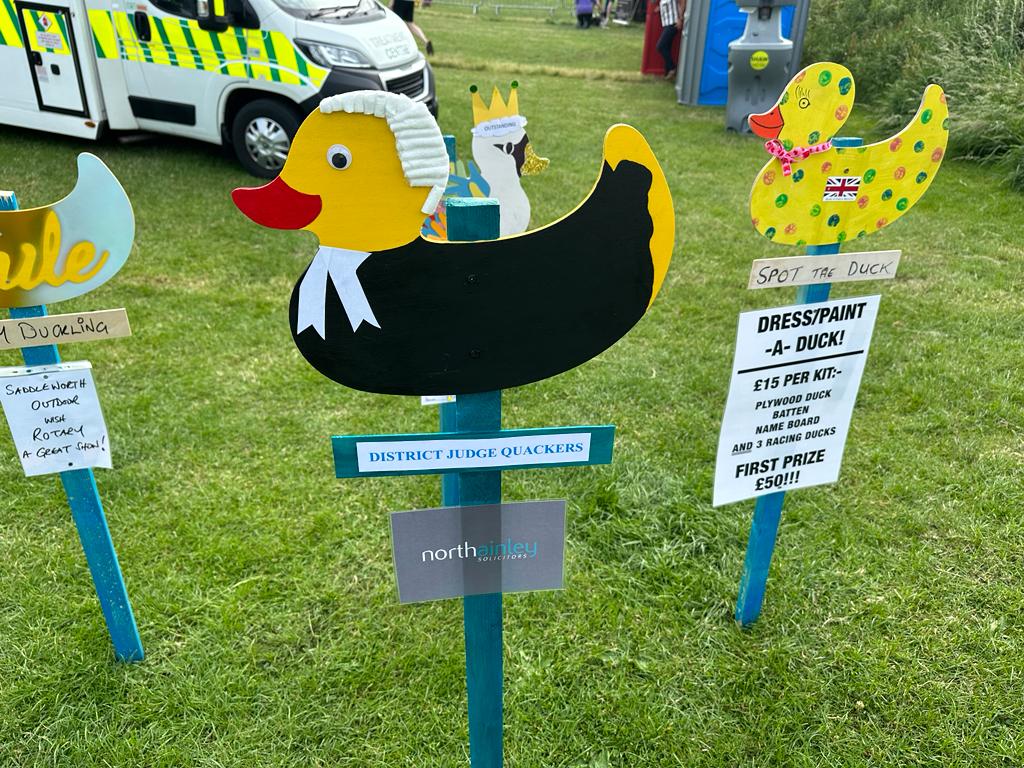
[(211, 15)]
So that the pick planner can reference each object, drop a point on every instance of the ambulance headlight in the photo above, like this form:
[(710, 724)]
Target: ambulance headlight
[(333, 55)]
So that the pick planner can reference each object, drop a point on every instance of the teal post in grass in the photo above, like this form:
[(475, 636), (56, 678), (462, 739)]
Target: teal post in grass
[(477, 219), (768, 508), (87, 512)]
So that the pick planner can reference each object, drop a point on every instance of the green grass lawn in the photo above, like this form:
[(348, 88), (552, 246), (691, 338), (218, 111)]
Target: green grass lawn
[(892, 631)]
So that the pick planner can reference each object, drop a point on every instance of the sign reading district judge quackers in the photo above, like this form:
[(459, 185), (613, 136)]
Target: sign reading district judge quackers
[(795, 378)]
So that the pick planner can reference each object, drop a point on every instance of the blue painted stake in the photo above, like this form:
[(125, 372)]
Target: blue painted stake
[(764, 527), (87, 512), (477, 219)]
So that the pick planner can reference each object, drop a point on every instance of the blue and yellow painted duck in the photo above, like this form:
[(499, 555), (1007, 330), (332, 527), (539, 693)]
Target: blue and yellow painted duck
[(382, 309)]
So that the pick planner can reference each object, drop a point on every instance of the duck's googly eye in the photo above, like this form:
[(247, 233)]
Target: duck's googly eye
[(339, 157), (804, 103)]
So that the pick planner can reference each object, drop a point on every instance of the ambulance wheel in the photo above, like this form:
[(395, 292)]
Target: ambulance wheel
[(262, 134)]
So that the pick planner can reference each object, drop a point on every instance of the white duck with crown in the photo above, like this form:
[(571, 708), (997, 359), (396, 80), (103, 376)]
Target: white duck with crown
[(502, 151)]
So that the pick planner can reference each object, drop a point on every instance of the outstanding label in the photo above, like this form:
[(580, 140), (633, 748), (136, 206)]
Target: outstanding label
[(795, 379), (482, 453)]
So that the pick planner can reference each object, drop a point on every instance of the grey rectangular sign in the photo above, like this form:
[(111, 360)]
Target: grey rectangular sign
[(457, 551)]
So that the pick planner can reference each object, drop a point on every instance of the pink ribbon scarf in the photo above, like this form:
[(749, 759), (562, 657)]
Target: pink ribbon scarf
[(788, 157)]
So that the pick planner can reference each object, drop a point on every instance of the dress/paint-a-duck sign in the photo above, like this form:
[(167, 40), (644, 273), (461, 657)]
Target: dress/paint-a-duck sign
[(382, 309), (812, 193)]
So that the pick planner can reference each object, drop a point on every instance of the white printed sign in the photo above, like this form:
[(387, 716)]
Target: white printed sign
[(55, 417), (436, 399), (795, 378), (477, 453), (49, 40)]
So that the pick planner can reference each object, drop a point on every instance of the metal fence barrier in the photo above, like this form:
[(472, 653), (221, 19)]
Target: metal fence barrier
[(550, 7)]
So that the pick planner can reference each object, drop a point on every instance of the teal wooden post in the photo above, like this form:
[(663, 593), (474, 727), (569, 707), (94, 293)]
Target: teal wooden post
[(87, 512), (477, 219), (449, 482), (764, 527)]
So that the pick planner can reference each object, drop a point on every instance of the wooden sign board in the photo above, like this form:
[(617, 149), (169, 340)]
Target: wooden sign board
[(442, 452), (832, 268), (64, 329)]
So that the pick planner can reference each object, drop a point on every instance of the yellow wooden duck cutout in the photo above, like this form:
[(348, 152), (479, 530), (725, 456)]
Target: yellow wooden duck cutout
[(812, 193), (384, 310)]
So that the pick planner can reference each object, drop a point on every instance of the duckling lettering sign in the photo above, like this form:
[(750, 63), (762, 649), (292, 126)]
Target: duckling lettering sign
[(63, 250), (74, 326)]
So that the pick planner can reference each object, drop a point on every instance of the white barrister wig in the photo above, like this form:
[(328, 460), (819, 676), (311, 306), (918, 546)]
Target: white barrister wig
[(421, 149)]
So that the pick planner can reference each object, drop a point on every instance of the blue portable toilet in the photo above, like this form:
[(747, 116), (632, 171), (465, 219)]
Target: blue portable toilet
[(703, 72)]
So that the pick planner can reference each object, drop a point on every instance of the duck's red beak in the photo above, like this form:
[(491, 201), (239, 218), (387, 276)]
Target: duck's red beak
[(277, 205), (767, 125)]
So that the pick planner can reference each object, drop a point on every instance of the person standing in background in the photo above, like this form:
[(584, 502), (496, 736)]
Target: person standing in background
[(672, 13), (584, 13), (403, 9)]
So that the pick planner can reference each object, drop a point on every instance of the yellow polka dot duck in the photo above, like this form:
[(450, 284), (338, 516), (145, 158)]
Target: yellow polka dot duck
[(812, 192)]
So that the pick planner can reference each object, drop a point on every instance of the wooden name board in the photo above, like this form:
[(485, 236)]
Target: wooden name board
[(832, 268), (64, 329)]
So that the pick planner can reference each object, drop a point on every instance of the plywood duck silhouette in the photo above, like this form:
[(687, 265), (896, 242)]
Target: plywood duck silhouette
[(384, 310)]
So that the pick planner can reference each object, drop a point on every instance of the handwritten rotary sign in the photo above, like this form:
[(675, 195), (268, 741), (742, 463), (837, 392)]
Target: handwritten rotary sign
[(55, 417), (63, 250)]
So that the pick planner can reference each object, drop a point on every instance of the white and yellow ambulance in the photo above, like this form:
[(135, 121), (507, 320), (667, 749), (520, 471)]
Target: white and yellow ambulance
[(237, 72)]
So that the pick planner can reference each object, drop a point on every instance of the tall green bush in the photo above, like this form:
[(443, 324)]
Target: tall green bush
[(974, 49)]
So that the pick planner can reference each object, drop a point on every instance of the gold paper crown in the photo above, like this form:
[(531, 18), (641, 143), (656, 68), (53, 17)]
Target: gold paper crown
[(498, 108)]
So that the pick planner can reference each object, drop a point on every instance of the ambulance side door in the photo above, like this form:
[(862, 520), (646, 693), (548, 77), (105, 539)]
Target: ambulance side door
[(53, 57)]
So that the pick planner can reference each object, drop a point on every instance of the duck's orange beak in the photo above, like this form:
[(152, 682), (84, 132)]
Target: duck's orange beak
[(768, 125), (278, 206)]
